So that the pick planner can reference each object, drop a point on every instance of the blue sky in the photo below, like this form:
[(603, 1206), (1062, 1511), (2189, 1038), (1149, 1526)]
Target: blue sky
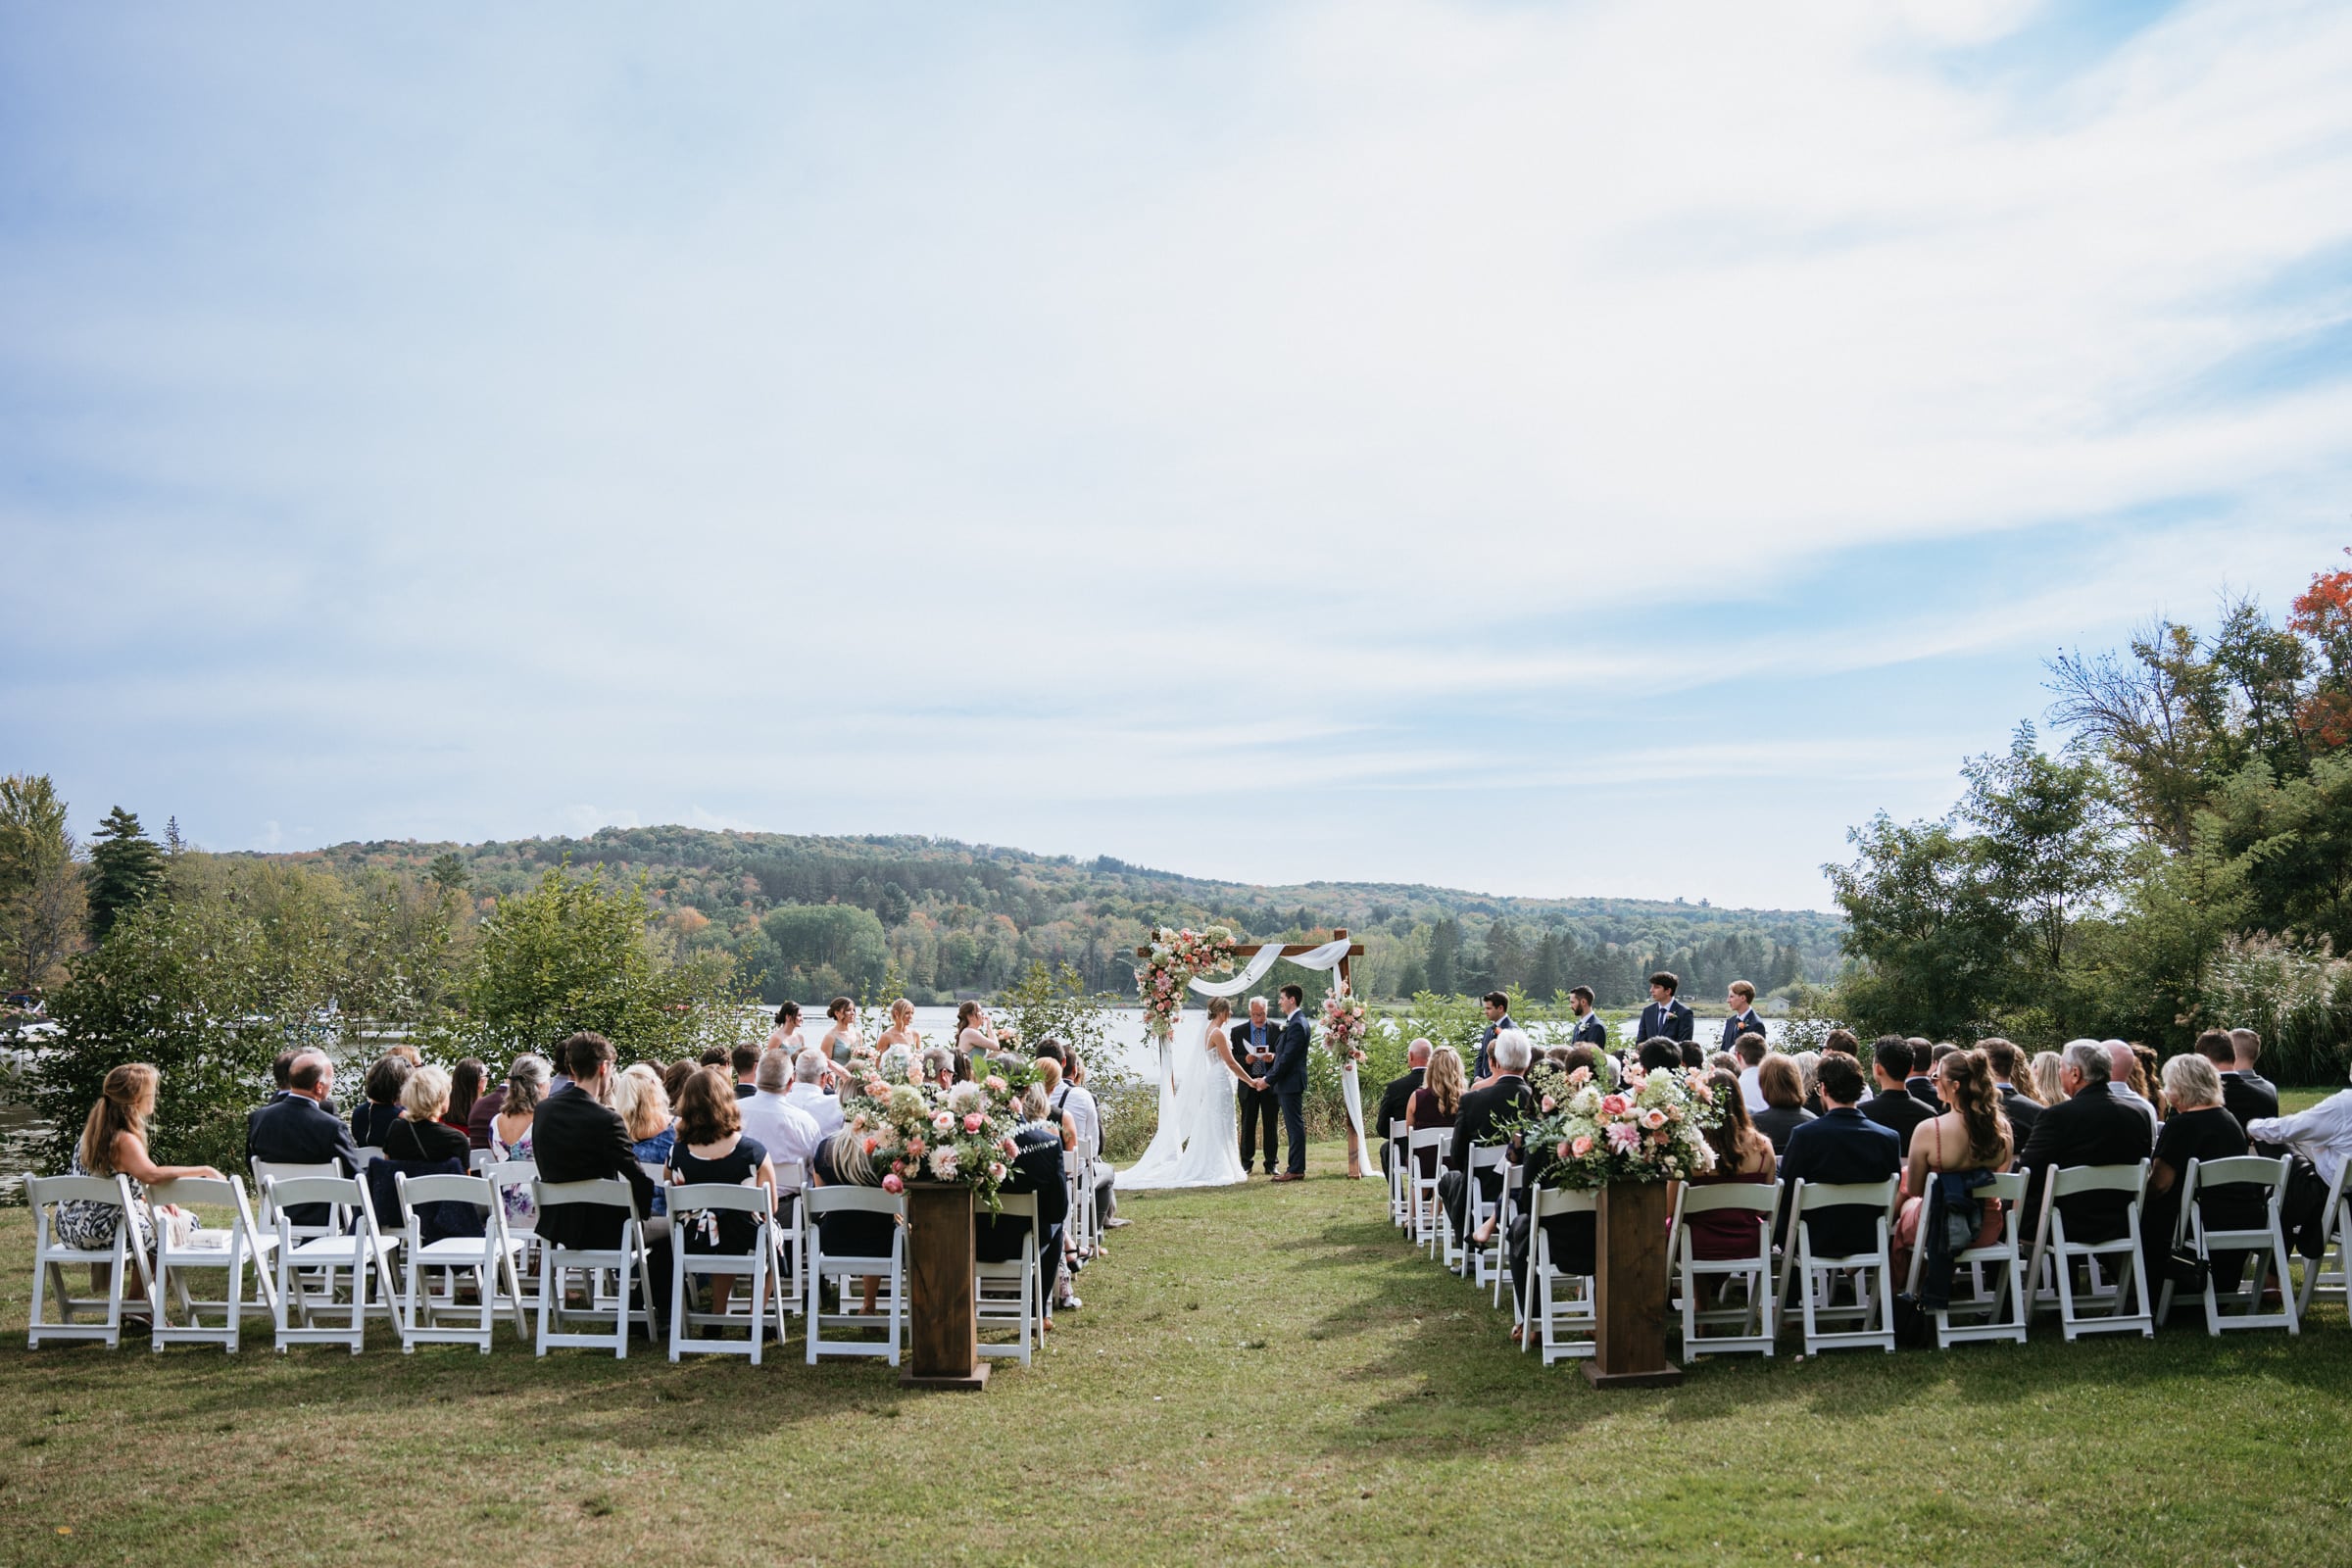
[(1562, 450)]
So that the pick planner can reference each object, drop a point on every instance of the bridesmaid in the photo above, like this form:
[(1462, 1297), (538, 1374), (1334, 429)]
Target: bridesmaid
[(899, 1043), (972, 1037), (841, 1041)]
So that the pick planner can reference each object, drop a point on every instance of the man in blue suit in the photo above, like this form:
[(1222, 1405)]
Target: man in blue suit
[(1741, 1001), (1665, 1019), (1589, 1029), (1288, 1079), (1842, 1145), (1498, 1018)]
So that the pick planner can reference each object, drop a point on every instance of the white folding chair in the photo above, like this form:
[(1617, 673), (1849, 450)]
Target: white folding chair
[(359, 1250), (792, 1178), (479, 1161), (1515, 1184), (227, 1252), (1483, 1263), (817, 1268), (689, 1200), (2264, 1244), (51, 1258), (1011, 1293), (1426, 1218), (510, 1180), (1752, 1324), (490, 1257), (1809, 1281), (368, 1155), (1999, 1314), (626, 1259), (266, 1213), (1400, 1188), (1559, 1308), (2335, 1239), (2126, 1302)]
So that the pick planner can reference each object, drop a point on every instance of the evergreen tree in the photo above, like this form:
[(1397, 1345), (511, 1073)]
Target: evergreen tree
[(448, 871), (1547, 975), (1445, 949), (1507, 956), (126, 866)]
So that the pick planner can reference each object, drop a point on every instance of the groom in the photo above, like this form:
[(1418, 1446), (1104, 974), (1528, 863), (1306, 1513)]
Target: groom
[(1286, 1078)]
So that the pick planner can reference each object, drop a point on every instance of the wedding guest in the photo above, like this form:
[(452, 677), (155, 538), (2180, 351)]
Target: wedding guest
[(897, 1044), (1842, 1040), (1808, 1065), (786, 1035), (1077, 1102), (1740, 1002), (527, 1084), (373, 1116), (577, 1137), (642, 1103), (1393, 1099), (1034, 1167), (674, 1076), (2123, 1064), (2249, 1101), (787, 1133), (807, 1093), (712, 1147), (1742, 1154), (938, 1067), (1841, 1146), (1480, 1120), (1893, 1106), (1666, 1017), (719, 1056), (2246, 1045), (465, 1088), (1498, 1018), (840, 1040), (1970, 1144), (298, 1130), (841, 1160), (2322, 1134), (419, 1134), (2089, 1127), (1920, 1081), (2200, 1128), (1656, 1054), (1750, 1049), (1048, 1079), (2148, 1076), (745, 1060), (1725, 1061), (114, 1143), (2008, 1073), (1591, 1029), (1438, 1103), (2049, 1087), (1256, 1109), (1784, 1110)]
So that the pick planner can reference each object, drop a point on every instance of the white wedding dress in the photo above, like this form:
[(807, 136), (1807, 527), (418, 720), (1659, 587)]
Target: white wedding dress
[(1198, 1141)]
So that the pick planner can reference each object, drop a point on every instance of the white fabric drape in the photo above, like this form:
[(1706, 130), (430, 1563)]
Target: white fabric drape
[(1326, 957)]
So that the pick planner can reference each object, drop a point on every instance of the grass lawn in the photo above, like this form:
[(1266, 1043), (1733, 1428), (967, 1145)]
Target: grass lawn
[(1258, 1373)]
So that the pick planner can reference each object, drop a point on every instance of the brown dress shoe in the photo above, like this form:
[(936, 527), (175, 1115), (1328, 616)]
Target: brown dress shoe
[(1291, 1176)]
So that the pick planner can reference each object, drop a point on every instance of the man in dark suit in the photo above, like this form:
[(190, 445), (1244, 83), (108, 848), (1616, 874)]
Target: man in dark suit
[(1666, 1017), (1498, 1018), (2248, 1046), (2008, 1063), (1286, 1078), (296, 1128), (1741, 1001), (2243, 1097), (1892, 1106), (2089, 1127), (577, 1137), (1392, 1099), (1920, 1082), (1840, 1146), (1253, 1046), (1591, 1030), (1507, 1099), (745, 1058)]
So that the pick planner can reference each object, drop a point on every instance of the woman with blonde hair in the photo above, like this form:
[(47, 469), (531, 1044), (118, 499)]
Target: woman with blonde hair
[(641, 1101), (841, 1160), (114, 1143), (899, 1043), (2045, 1086), (1956, 1150), (420, 1135), (1438, 1101)]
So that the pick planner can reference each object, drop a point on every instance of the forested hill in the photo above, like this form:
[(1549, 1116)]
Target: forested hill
[(808, 915)]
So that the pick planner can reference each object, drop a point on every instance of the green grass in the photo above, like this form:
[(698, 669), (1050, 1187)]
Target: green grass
[(1258, 1373)]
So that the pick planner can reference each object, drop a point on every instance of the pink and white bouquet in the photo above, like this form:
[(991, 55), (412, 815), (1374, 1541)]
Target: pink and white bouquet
[(916, 1132), (1344, 1020), (1171, 961), (1649, 1128)]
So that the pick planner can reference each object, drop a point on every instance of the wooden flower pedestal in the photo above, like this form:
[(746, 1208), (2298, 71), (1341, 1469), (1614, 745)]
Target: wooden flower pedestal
[(1630, 1246), (942, 1332)]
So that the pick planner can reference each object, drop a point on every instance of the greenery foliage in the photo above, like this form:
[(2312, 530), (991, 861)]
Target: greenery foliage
[(43, 899), (126, 866)]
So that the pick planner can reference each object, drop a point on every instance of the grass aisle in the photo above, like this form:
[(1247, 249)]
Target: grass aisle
[(1258, 1373)]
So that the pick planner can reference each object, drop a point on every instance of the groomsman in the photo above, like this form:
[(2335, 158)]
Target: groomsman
[(1744, 1020), (1498, 1018), (1589, 1029), (1666, 1017)]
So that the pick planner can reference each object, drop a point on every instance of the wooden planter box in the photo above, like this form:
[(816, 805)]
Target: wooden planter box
[(943, 1328), (1630, 1246)]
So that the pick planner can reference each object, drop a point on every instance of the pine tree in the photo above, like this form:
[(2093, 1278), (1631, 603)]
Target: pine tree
[(126, 867), (1546, 976), (1445, 946), (448, 871)]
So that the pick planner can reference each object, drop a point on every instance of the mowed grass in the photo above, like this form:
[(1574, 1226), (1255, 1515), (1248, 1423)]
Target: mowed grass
[(1265, 1373)]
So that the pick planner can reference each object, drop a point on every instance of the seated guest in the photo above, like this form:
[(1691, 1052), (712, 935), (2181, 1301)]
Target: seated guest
[(1658, 1053), (787, 1133), (465, 1088), (1438, 1102), (419, 1136), (842, 1162), (2322, 1135), (745, 1061), (528, 1083), (1842, 1040), (1751, 1049), (1036, 1167), (1808, 1069), (674, 1076), (577, 1137), (712, 1147), (1724, 1062), (2123, 1068), (1841, 1146), (1398, 1097), (2248, 1046), (1920, 1082), (114, 1143), (719, 1056), (298, 1130), (2008, 1076), (484, 1111), (1784, 1110), (1742, 1154), (2047, 1075), (937, 1067), (1084, 1112), (2249, 1101), (373, 1116), (1569, 1238), (281, 1071), (1507, 1099), (806, 1093), (1893, 1108), (2089, 1127), (1952, 1156), (643, 1105), (2200, 1128)]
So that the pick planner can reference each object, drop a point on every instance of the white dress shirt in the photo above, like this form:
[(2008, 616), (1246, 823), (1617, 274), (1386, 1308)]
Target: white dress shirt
[(1086, 1119), (784, 1129), (2322, 1135), (824, 1109), (1750, 1090)]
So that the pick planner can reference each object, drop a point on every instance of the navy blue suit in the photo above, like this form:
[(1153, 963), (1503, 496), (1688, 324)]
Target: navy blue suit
[(1592, 1032), (1748, 1023), (1669, 1022), (293, 1130), (1286, 1078), (1842, 1145), (1478, 1070)]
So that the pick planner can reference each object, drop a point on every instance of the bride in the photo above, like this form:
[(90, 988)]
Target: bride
[(1198, 1143)]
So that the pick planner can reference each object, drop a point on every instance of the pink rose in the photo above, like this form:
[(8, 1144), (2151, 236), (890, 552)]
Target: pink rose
[(892, 1182), (1653, 1118), (1562, 1153), (875, 1089), (993, 1085), (914, 1148), (1581, 1075), (943, 1121), (1614, 1105), (1582, 1146), (973, 1121), (1549, 1105), (996, 1170), (872, 1144), (1661, 1139)]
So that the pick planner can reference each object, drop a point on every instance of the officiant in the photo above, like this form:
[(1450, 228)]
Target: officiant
[(1253, 1044)]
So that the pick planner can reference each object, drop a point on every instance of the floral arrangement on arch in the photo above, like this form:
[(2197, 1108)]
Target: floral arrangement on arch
[(1651, 1127), (1344, 1020), (960, 1135), (1172, 959)]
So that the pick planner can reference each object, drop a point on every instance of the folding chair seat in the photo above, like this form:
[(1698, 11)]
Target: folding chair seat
[(368, 1155), (1982, 1314), (687, 1201), (359, 1250), (1507, 1209), (489, 1257), (224, 1251), (817, 1268), (1559, 1308), (266, 1213), (625, 1259), (1808, 1282), (479, 1161), (1013, 1294), (1482, 1263), (2125, 1300), (2264, 1244), (51, 1258), (1427, 1211), (1752, 1324), (2320, 1278), (784, 1234)]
